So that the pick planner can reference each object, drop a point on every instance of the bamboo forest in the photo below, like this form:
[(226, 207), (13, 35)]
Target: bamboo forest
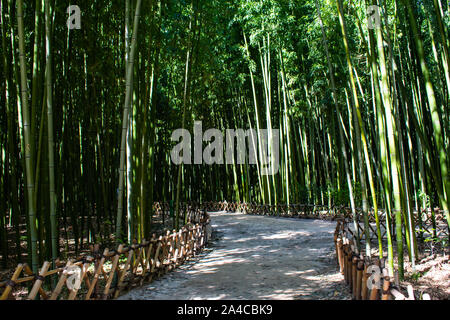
[(137, 135)]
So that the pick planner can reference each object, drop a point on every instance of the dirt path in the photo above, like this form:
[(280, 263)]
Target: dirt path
[(253, 257)]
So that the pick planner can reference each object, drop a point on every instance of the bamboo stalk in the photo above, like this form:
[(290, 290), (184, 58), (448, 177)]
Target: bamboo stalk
[(125, 120), (112, 272), (96, 275), (359, 276), (61, 282), (27, 139), (51, 143)]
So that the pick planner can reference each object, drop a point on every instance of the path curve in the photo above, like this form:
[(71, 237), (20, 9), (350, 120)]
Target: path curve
[(256, 258)]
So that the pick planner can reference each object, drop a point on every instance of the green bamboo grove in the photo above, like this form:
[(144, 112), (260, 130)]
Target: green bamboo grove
[(359, 90)]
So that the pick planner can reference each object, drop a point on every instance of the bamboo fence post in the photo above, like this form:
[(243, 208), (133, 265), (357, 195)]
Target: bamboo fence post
[(84, 271), (179, 252), (156, 263), (183, 245), (203, 236), (96, 274), (148, 258), (336, 237), (27, 270), (374, 291), (359, 278), (374, 294), (40, 279), (95, 250), (151, 255), (200, 238), (340, 256), (182, 251), (143, 261), (11, 283), (167, 246), (171, 250), (345, 254), (86, 279), (354, 275), (190, 244), (195, 239), (135, 257), (163, 255), (349, 266), (61, 282), (179, 247), (138, 259), (386, 285), (364, 289), (174, 254), (168, 250), (124, 272), (112, 272)]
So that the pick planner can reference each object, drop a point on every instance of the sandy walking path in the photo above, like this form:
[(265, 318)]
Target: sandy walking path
[(254, 257)]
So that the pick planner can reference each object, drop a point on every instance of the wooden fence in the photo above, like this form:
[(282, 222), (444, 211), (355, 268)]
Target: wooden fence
[(359, 271), (109, 273)]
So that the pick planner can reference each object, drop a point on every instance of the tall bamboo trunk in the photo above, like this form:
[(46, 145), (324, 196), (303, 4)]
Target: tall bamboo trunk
[(51, 144), (27, 138), (341, 134), (362, 135), (125, 121)]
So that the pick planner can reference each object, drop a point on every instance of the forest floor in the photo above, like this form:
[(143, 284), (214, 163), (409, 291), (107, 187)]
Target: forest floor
[(253, 257), (432, 276)]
